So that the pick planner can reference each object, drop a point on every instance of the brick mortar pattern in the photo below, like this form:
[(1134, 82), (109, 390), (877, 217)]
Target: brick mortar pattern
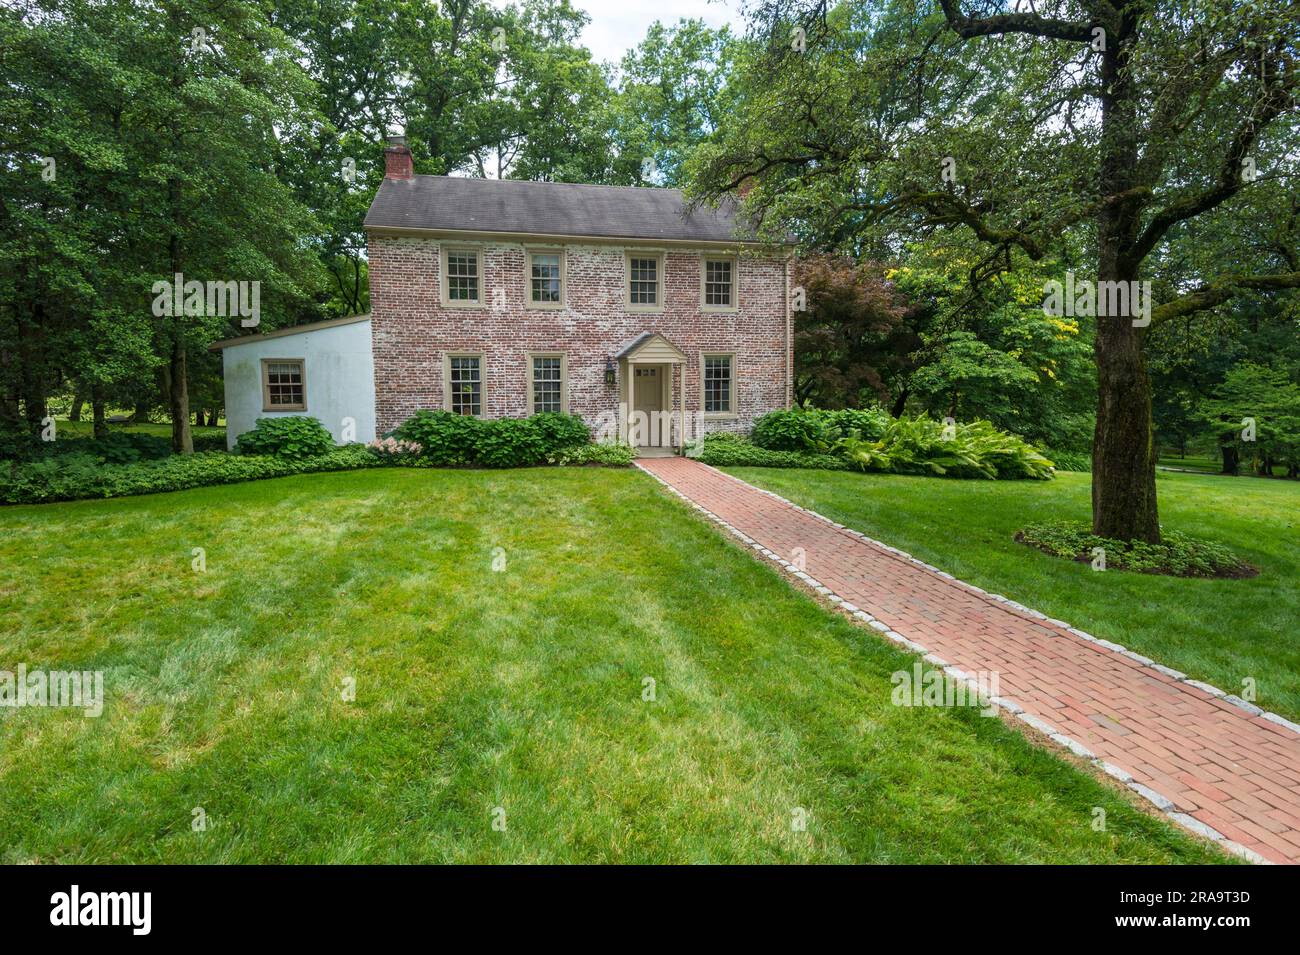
[(412, 330)]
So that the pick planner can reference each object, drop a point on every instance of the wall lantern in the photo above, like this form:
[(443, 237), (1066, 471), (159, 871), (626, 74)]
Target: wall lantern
[(609, 371)]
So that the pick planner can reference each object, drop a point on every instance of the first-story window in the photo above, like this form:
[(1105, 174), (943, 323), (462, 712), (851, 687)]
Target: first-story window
[(548, 383), (718, 382), (465, 384), (283, 387)]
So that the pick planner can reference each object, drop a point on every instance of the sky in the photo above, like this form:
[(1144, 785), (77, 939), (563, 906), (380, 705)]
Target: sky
[(617, 25)]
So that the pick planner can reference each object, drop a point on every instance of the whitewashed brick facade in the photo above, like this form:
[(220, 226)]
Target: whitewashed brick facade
[(412, 330)]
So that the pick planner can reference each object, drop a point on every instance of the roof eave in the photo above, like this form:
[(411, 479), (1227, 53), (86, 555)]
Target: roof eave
[(575, 237), (291, 330)]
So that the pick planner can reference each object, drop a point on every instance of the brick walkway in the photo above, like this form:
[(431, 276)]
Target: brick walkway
[(1215, 765)]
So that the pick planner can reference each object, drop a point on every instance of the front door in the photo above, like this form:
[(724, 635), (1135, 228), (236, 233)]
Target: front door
[(648, 400)]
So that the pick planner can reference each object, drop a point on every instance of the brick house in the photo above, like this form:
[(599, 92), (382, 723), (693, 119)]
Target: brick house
[(500, 298)]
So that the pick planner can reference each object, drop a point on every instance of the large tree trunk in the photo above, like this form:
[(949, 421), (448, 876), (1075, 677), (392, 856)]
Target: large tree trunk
[(97, 413), (178, 396), (1228, 449), (78, 399), (178, 379), (1123, 453), (1123, 449)]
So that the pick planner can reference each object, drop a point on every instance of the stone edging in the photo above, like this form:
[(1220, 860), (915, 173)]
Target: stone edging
[(1162, 803)]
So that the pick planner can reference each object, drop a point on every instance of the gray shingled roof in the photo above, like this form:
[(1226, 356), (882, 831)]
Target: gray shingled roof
[(548, 208)]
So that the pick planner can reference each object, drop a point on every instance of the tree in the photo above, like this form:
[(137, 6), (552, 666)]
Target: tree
[(853, 341), (1123, 120), (1260, 408), (671, 97)]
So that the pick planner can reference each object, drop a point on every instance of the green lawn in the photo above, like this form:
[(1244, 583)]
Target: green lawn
[(1219, 631), (520, 688), (85, 428)]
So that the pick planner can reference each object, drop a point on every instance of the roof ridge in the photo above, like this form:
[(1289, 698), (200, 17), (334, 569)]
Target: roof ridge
[(549, 182)]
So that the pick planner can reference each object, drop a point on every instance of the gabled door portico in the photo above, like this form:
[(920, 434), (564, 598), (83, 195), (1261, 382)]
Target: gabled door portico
[(649, 367)]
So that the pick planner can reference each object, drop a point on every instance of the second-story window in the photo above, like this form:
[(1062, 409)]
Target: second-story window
[(643, 280), (545, 278), (719, 283), (464, 279)]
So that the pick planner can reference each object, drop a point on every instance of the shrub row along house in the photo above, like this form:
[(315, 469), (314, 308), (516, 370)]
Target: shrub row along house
[(651, 320)]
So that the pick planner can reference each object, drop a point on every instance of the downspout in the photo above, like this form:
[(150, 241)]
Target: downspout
[(789, 335)]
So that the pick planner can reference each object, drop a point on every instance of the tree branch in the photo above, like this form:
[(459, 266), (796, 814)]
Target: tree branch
[(1218, 292), (1031, 23)]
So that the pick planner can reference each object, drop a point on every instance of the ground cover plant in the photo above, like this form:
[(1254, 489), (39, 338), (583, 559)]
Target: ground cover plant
[(1176, 555)]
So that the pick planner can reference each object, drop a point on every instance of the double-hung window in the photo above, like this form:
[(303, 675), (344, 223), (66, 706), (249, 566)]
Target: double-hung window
[(462, 282), (546, 279), (718, 284), (464, 376), (718, 380), (645, 281), (547, 383)]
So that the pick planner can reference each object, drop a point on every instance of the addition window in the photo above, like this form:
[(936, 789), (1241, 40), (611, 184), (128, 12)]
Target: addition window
[(283, 385), (464, 376), (462, 271), (645, 281), (546, 279), (548, 384), (718, 384), (718, 283)]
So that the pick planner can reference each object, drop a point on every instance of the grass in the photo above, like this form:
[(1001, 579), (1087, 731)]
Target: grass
[(1218, 631), (1210, 464), (85, 428), (475, 689)]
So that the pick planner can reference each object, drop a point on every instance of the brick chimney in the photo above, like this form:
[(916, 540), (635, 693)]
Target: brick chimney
[(397, 159)]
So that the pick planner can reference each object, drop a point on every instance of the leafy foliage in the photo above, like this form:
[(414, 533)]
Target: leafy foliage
[(1177, 555), (294, 437), (606, 454), (76, 476), (448, 439), (561, 430), (1267, 400), (872, 441), (509, 443), (445, 439)]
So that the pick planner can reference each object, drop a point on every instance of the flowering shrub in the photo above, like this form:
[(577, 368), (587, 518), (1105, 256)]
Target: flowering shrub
[(395, 450)]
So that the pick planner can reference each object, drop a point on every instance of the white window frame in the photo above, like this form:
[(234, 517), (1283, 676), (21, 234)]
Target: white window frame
[(564, 380), (661, 281), (528, 277), (731, 412), (735, 283), (482, 381), (445, 280)]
